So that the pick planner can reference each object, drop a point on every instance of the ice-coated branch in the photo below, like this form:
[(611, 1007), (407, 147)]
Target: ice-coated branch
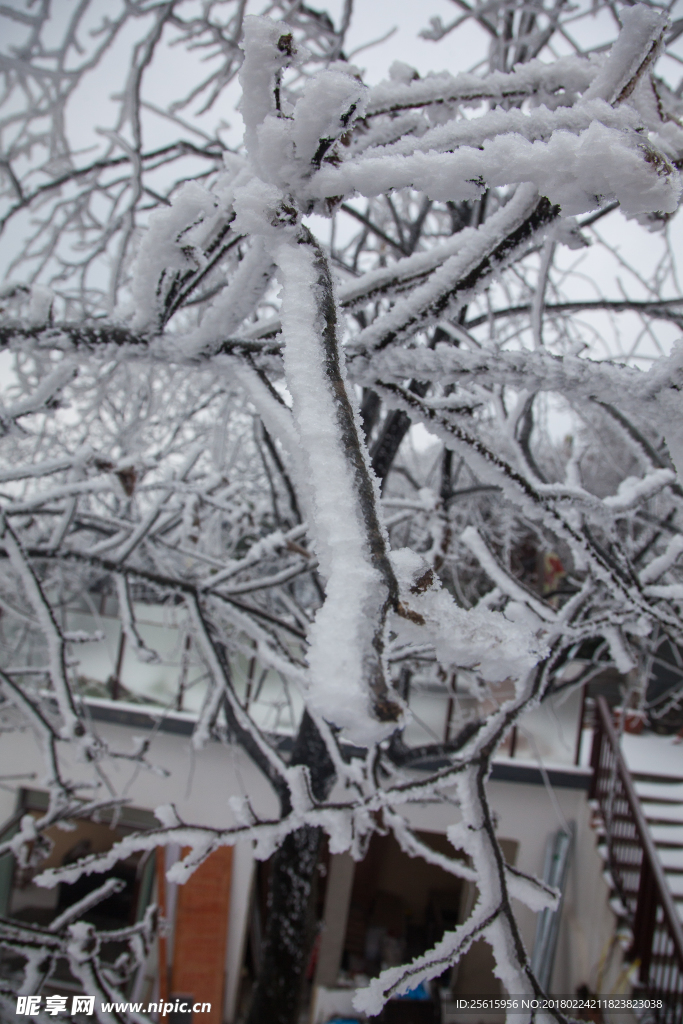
[(48, 737), (480, 255), (264, 755), (108, 888), (531, 496), (71, 723), (128, 623), (347, 637)]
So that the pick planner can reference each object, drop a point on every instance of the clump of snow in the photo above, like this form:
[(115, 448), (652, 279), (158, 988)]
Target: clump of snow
[(40, 304), (576, 171), (566, 76), (257, 206), (402, 73), (642, 29), (172, 242), (241, 810), (477, 639), (268, 49), (618, 650), (658, 566), (329, 100), (235, 302), (286, 145), (634, 489), (167, 816)]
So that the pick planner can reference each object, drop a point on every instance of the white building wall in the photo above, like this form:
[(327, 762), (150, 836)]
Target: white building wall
[(527, 814), (587, 953), (199, 784)]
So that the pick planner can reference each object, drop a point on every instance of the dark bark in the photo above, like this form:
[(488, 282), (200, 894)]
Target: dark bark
[(525, 426), (446, 491), (290, 924), (394, 429), (369, 412), (397, 423), (96, 335)]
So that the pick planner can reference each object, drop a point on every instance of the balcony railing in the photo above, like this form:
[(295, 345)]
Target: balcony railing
[(638, 875)]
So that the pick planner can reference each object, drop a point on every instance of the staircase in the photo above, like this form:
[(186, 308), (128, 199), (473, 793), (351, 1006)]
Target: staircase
[(661, 798), (640, 818)]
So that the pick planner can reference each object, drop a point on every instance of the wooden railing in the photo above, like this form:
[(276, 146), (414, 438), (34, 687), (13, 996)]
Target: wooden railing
[(638, 875)]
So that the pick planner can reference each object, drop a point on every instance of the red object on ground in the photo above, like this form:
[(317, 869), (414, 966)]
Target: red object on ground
[(633, 721)]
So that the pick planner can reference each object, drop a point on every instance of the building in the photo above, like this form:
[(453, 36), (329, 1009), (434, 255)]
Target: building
[(382, 910)]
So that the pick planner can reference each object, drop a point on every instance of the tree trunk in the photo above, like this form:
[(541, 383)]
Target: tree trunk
[(290, 924)]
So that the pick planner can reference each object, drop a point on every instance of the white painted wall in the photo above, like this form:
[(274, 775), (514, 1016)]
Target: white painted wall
[(200, 783), (587, 931)]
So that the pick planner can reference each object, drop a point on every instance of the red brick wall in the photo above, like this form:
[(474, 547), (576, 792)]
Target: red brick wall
[(201, 934)]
